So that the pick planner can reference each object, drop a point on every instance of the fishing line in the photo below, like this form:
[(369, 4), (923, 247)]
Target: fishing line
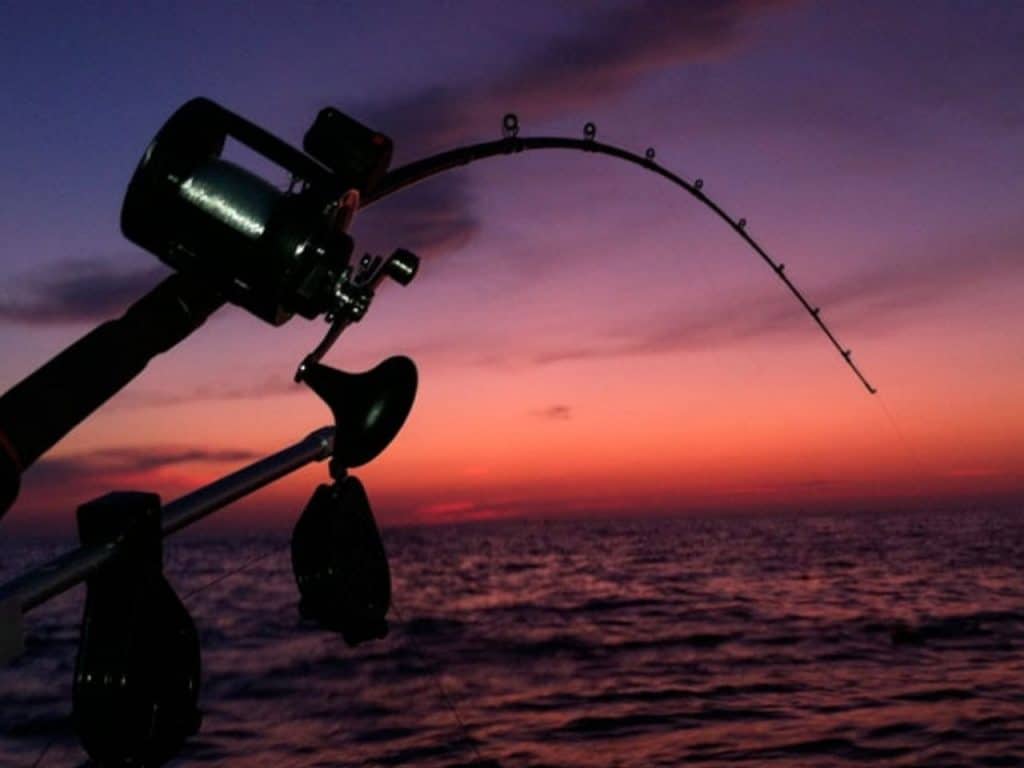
[(442, 691), (445, 697), (39, 760), (909, 449), (251, 561)]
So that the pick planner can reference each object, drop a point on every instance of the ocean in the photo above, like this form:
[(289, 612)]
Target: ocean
[(884, 639)]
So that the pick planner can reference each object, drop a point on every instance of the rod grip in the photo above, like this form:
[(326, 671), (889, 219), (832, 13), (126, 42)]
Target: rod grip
[(37, 412)]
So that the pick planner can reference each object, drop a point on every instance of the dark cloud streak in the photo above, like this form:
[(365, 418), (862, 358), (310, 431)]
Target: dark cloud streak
[(114, 462), (271, 386), (77, 292), (558, 412), (430, 219), (605, 57), (878, 299)]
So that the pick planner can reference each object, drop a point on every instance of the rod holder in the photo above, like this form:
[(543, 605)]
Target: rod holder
[(136, 684)]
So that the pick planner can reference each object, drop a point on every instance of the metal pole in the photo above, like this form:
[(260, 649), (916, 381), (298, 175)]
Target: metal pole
[(196, 505), (25, 592)]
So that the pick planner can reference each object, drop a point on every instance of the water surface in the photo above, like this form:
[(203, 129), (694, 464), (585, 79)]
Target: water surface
[(809, 641)]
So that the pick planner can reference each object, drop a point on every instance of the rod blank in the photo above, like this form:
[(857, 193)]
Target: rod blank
[(419, 170)]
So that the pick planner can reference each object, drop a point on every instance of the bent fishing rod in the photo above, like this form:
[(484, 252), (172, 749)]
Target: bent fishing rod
[(512, 143), (230, 235)]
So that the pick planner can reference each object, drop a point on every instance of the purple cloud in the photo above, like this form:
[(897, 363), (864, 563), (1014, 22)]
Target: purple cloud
[(876, 299), (78, 292), (612, 52), (554, 413), (110, 462), (607, 55)]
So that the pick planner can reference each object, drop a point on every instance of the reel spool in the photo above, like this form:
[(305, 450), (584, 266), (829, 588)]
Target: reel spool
[(274, 252)]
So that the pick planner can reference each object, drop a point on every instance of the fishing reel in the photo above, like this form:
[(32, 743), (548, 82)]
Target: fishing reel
[(278, 253), (275, 252)]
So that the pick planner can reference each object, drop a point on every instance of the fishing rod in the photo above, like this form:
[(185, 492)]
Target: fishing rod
[(420, 170), (232, 236)]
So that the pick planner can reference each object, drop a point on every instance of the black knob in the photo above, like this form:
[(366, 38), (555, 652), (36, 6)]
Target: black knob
[(401, 266)]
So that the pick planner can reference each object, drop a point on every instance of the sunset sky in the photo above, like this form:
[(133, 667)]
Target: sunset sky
[(590, 340)]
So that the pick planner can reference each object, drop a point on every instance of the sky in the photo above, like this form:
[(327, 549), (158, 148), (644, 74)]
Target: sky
[(590, 340)]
